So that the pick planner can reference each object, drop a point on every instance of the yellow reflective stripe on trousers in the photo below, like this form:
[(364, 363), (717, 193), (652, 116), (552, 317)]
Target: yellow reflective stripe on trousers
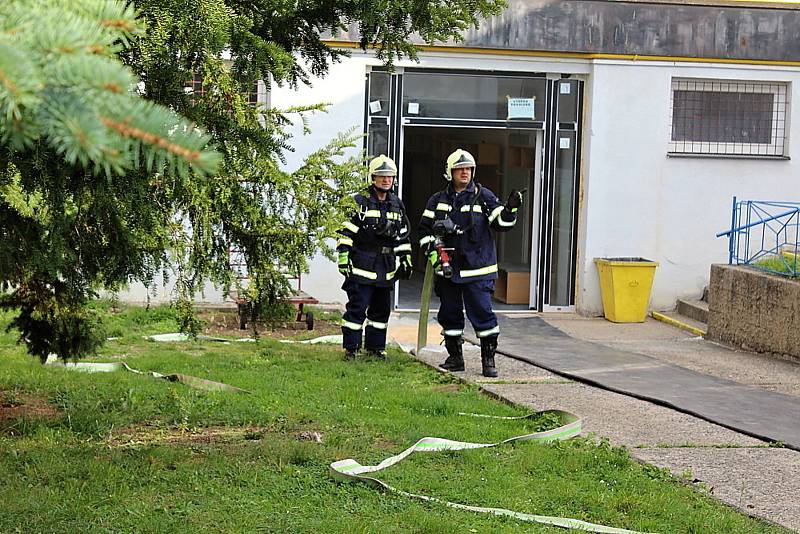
[(477, 272), (376, 324), (429, 214), (344, 241), (350, 226), (491, 331), (453, 332), (351, 326), (365, 274), (495, 213), (443, 207), (403, 247), (475, 207)]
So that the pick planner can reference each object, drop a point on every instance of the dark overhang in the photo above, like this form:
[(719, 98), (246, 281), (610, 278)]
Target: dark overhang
[(749, 30)]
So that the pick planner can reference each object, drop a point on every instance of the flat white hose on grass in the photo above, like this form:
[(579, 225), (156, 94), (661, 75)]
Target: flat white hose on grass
[(351, 470)]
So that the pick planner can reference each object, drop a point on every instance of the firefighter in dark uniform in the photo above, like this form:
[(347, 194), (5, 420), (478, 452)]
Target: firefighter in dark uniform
[(465, 213), (374, 252)]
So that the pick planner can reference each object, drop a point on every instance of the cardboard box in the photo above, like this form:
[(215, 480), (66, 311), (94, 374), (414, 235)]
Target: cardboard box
[(513, 285)]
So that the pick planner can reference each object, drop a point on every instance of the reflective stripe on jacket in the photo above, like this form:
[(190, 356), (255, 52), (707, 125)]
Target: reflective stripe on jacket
[(374, 254), (477, 211)]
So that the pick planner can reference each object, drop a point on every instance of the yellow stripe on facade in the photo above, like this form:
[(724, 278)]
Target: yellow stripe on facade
[(579, 55)]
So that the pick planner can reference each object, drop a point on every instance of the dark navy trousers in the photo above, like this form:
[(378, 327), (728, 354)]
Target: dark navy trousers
[(368, 302), (475, 297)]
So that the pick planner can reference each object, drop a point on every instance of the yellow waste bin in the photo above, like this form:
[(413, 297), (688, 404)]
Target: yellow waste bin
[(625, 284)]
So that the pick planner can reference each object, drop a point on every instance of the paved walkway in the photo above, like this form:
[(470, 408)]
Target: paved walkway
[(651, 369), (751, 410)]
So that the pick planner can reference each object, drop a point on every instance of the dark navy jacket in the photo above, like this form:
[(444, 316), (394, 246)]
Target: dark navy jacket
[(477, 211), (374, 254)]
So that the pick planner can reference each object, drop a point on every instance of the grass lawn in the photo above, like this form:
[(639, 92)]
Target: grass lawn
[(786, 264), (120, 452)]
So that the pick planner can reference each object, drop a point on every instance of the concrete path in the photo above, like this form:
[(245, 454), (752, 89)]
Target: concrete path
[(752, 410), (736, 468)]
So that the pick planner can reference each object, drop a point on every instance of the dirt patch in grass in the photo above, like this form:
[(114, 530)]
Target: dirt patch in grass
[(136, 436), (447, 388), (18, 405), (383, 444), (226, 324), (154, 435)]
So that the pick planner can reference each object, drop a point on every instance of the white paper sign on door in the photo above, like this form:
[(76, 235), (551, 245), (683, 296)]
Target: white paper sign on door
[(521, 108), (563, 142), (375, 106)]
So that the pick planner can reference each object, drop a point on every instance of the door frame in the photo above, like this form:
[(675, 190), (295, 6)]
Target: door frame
[(545, 172)]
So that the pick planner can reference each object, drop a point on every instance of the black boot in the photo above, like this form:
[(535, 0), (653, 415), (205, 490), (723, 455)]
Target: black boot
[(378, 354), (488, 348), (350, 354), (455, 358)]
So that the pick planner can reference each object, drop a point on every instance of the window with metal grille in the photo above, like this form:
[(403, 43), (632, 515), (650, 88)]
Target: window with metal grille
[(728, 118), (257, 95)]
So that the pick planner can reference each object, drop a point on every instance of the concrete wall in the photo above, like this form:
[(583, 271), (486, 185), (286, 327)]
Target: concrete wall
[(754, 310), (637, 201)]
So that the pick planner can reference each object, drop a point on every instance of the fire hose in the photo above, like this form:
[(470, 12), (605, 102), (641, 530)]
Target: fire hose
[(351, 470)]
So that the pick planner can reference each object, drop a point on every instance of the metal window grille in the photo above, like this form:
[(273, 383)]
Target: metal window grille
[(728, 118), (257, 95)]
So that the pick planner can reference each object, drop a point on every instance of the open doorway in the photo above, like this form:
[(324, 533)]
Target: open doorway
[(506, 161)]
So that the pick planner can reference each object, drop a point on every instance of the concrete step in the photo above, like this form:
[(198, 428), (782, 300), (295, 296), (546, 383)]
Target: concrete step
[(683, 322), (694, 309)]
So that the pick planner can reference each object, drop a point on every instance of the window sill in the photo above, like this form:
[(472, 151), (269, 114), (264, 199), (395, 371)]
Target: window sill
[(726, 156)]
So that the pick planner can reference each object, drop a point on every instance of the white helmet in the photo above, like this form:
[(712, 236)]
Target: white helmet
[(382, 166), (458, 160)]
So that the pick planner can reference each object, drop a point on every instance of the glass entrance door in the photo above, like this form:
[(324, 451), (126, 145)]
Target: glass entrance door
[(525, 132), (505, 161)]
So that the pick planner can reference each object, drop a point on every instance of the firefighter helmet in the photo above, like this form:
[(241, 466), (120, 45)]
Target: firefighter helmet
[(458, 160), (382, 166)]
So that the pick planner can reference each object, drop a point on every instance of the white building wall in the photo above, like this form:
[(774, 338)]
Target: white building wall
[(343, 89), (639, 202), (635, 201)]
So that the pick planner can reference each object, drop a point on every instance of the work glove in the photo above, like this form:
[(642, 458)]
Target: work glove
[(433, 258), (406, 268), (345, 267), (514, 200)]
